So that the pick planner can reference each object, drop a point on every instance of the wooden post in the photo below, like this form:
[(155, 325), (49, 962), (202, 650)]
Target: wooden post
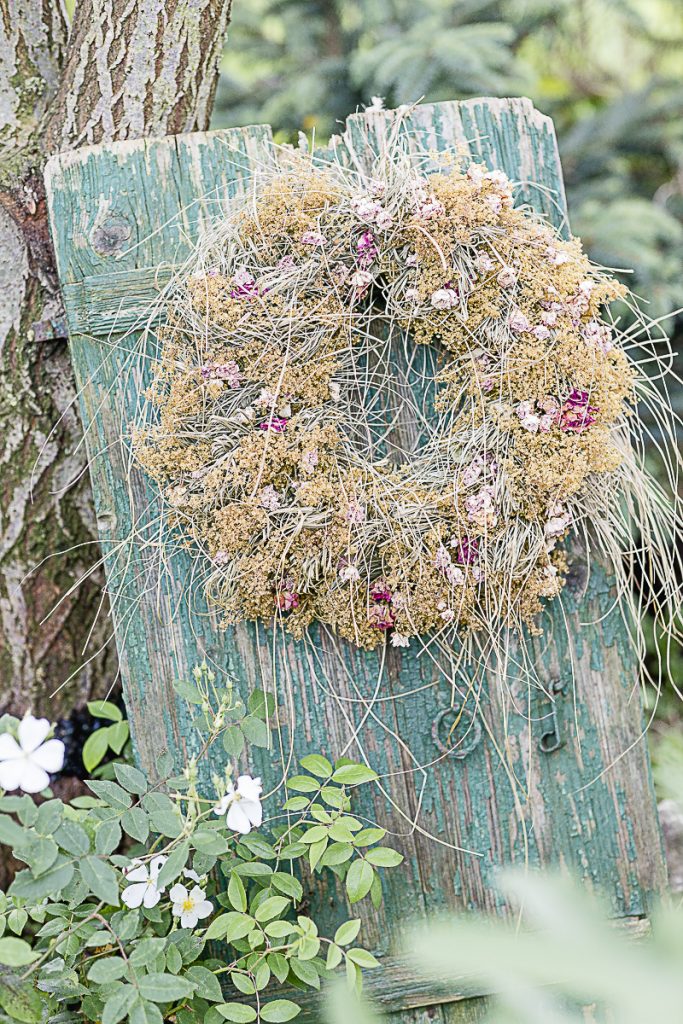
[(122, 216)]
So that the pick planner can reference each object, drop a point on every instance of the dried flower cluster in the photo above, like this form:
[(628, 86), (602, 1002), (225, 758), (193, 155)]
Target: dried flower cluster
[(265, 438)]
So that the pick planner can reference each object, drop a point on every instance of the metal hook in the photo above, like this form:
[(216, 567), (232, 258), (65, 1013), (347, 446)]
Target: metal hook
[(551, 739)]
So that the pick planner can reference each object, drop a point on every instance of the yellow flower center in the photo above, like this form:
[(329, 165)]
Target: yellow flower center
[(188, 905)]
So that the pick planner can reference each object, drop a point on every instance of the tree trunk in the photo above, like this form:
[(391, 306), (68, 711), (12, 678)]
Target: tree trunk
[(128, 68)]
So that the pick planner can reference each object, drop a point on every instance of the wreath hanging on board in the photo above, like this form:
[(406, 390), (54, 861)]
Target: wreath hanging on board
[(278, 459)]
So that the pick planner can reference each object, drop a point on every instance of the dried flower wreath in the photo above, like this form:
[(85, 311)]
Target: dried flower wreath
[(446, 515)]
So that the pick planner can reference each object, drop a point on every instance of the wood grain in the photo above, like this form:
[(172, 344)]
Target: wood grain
[(117, 213)]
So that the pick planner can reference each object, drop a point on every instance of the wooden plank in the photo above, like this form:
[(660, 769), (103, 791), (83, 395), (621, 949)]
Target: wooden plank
[(118, 211)]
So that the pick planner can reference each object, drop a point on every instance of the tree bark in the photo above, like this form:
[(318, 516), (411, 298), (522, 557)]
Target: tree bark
[(127, 69)]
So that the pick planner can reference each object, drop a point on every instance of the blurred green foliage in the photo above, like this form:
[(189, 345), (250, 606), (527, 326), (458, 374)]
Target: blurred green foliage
[(610, 72)]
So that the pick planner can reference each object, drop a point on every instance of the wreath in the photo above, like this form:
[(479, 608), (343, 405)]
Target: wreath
[(277, 457)]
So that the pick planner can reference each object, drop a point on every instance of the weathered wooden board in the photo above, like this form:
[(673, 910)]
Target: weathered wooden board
[(122, 216)]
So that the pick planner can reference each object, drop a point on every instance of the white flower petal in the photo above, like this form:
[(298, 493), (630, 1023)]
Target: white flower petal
[(10, 773), (189, 873), (137, 872), (33, 778), (9, 748), (152, 896), (253, 810), (237, 819), (133, 895), (204, 909), (197, 894), (49, 756), (249, 788), (32, 731), (156, 865), (188, 919), (178, 893)]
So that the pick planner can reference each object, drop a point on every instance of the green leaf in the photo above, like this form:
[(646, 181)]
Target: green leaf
[(73, 838), (337, 853), (164, 814), (363, 958), (314, 834), (261, 704), (279, 1010), (143, 1012), (347, 932), (295, 803), (131, 778), (369, 836), (229, 927), (11, 834), (94, 749), (188, 691), (256, 731), (101, 879), (274, 906), (315, 852), (358, 880), (279, 966), (208, 985), (306, 972), (107, 969), (302, 784), (384, 857), (175, 863), (233, 740), (317, 765), (238, 1012), (49, 884), (135, 823), (210, 841), (354, 775), (287, 884), (16, 952), (334, 957), (21, 1001), (146, 951), (110, 792), (243, 983), (236, 892), (163, 988), (117, 736), (107, 836), (278, 929), (104, 709), (118, 1004)]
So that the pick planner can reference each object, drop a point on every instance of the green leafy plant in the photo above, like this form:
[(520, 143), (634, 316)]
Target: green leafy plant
[(108, 738), (141, 902)]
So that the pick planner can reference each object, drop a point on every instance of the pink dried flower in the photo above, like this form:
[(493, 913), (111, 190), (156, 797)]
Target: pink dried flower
[(595, 333), (506, 278), (286, 263), (380, 616), (366, 209), (442, 559), (455, 576), (484, 263), (576, 415), (349, 573), (559, 520), (276, 423), (518, 323), (269, 498), (287, 600), (444, 298), (313, 238), (309, 460), (384, 220), (379, 591), (367, 250), (221, 558), (355, 513), (467, 551), (361, 279), (398, 640), (245, 285), (556, 256), (541, 332)]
